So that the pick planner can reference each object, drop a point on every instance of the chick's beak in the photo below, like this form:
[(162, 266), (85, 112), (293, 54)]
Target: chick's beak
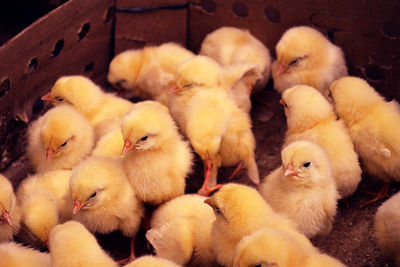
[(282, 102), (128, 146), (249, 87), (47, 97), (290, 170), (281, 69), (208, 202), (77, 206), (174, 89), (7, 218), (50, 154)]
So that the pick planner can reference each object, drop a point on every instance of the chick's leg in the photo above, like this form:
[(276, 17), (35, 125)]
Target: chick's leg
[(131, 256), (383, 193), (205, 189), (238, 168)]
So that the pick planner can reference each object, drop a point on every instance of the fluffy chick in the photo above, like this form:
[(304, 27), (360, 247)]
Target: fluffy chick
[(45, 202), (10, 211), (234, 206), (151, 261), (231, 46), (157, 159), (181, 231), (98, 107), (59, 139), (303, 188), (387, 227), (72, 245), (305, 56), (310, 117), (148, 71), (104, 200), (275, 247), (16, 255), (373, 124)]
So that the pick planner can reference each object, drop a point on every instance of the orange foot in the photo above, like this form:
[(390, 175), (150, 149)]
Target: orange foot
[(205, 190), (380, 195)]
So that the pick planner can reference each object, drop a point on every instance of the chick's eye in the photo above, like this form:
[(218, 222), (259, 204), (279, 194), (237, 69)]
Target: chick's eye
[(93, 195), (217, 210), (64, 144), (307, 164), (144, 138), (258, 265), (293, 62), (188, 85), (59, 99)]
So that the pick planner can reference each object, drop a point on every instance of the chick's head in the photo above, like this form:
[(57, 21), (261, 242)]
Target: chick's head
[(125, 68), (7, 200), (77, 91), (305, 162), (300, 49), (305, 107)]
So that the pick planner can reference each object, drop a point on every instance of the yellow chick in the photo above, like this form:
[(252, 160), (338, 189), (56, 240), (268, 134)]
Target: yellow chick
[(303, 188), (148, 71), (10, 211), (98, 107), (16, 255), (305, 56), (181, 231), (103, 199), (275, 247), (373, 124), (157, 159), (387, 227), (72, 245), (151, 261), (240, 210), (231, 46), (310, 117), (45, 202), (59, 139)]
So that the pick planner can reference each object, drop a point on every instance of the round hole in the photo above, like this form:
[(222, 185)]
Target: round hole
[(272, 14), (31, 66), (58, 47), (240, 9), (89, 67), (84, 30), (109, 14), (37, 106), (374, 73), (208, 5), (4, 87), (391, 30)]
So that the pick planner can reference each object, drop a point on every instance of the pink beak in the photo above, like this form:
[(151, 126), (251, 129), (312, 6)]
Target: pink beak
[(128, 146), (174, 89), (290, 171), (6, 218), (50, 154), (77, 206), (208, 202), (281, 69), (47, 97), (249, 87)]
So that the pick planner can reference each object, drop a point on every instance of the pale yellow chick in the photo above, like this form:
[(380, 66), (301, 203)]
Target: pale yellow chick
[(303, 188), (276, 247), (59, 139), (310, 117), (387, 227), (373, 124), (16, 255), (157, 159), (10, 211), (151, 261), (84, 95), (149, 72), (104, 200), (240, 210), (72, 245), (305, 56), (181, 231), (231, 46)]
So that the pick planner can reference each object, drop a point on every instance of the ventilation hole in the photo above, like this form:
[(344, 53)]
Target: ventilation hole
[(331, 36), (37, 106), (89, 67), (31, 66), (58, 47), (84, 30), (374, 73), (391, 30), (208, 5), (110, 14), (240, 9), (272, 14), (4, 87)]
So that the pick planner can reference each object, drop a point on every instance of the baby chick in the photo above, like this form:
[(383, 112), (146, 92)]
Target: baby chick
[(305, 56), (72, 245), (310, 117), (275, 247), (98, 107), (152, 261), (181, 231), (232, 46), (148, 71), (303, 188), (234, 206), (157, 160), (103, 199), (10, 211), (373, 124), (59, 139), (387, 227), (16, 255)]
